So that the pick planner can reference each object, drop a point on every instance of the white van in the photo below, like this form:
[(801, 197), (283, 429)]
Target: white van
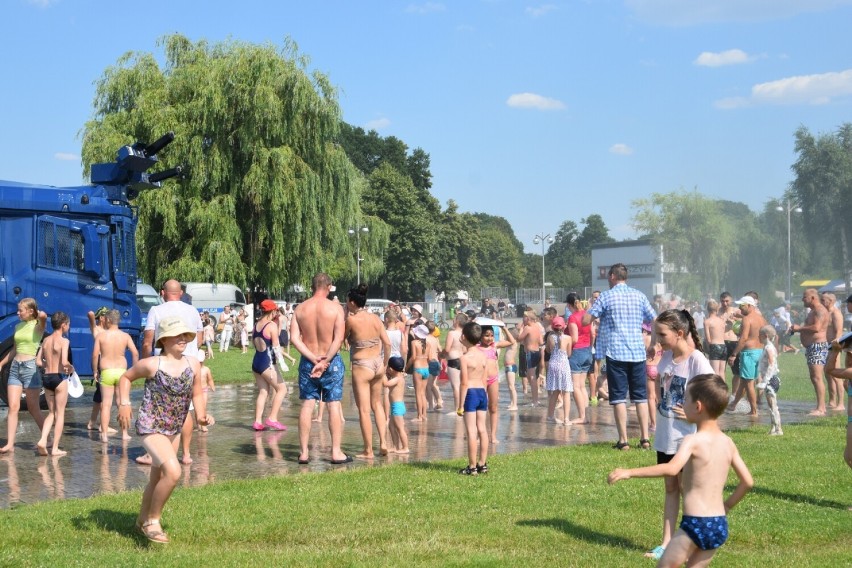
[(146, 298), (377, 306), (210, 297)]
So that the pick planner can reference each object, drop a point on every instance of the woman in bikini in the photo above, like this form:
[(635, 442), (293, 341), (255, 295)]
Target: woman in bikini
[(492, 373), (172, 382), (263, 367), (369, 351)]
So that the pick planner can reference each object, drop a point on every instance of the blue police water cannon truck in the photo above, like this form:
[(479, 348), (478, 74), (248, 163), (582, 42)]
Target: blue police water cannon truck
[(73, 249)]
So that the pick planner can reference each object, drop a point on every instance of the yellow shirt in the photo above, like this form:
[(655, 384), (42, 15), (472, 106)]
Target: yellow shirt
[(26, 338)]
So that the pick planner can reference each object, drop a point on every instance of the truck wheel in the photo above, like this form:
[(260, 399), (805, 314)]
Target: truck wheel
[(4, 377)]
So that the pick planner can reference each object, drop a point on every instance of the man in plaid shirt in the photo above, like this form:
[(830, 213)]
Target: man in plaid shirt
[(621, 311)]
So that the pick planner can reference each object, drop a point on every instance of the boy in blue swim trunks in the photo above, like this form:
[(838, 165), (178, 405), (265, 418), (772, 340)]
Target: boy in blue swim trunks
[(705, 458), (475, 405)]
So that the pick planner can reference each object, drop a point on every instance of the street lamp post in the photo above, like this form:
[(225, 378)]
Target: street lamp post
[(790, 208), (542, 238), (358, 258)]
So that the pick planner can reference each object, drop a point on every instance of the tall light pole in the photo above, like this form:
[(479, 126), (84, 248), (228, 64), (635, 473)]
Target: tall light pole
[(542, 238), (790, 208), (358, 258)]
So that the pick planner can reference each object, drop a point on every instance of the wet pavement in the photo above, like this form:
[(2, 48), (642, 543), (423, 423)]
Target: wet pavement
[(232, 450)]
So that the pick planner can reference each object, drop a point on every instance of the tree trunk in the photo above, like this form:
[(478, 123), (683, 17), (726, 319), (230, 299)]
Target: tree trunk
[(847, 271)]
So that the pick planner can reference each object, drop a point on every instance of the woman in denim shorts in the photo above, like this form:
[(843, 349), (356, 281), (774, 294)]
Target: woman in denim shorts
[(23, 374)]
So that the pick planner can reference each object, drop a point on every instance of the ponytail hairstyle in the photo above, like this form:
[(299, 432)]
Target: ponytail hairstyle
[(571, 299), (681, 320), (358, 296)]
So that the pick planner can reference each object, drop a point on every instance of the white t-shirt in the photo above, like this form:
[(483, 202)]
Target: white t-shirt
[(671, 388), (765, 370), (187, 313), (395, 337)]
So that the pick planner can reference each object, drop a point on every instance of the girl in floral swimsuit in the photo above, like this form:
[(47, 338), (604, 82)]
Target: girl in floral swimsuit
[(172, 381)]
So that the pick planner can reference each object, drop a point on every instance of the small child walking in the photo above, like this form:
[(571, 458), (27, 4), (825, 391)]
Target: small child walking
[(208, 386), (244, 338), (209, 337), (52, 356), (767, 377), (705, 459), (559, 380), (395, 382), (475, 405)]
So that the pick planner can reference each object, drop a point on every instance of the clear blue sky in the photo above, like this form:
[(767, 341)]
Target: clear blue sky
[(536, 111)]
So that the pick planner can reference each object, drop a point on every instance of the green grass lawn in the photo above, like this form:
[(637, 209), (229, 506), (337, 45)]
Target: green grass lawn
[(540, 508)]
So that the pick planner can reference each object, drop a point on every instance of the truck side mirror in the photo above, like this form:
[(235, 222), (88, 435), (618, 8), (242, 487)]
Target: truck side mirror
[(92, 249)]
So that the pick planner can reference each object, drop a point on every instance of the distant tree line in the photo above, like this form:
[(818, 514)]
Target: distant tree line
[(275, 180)]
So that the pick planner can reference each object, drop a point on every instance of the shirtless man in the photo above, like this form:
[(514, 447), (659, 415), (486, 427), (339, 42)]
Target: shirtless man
[(532, 338), (813, 336), (714, 338), (834, 330), (730, 314), (454, 350), (749, 349), (317, 331), (111, 344)]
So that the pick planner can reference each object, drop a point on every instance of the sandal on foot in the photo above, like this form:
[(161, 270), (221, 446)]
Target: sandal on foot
[(622, 445), (655, 553), (469, 471), (645, 444), (154, 533)]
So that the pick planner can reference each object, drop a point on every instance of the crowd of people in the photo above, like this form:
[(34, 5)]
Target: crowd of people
[(666, 360)]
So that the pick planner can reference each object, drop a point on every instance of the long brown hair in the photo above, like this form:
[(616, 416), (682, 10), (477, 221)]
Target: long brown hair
[(681, 320)]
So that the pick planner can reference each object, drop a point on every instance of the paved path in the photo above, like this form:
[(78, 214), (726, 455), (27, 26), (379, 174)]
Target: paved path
[(231, 450)]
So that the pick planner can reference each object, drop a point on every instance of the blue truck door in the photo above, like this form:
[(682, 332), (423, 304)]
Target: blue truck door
[(71, 275)]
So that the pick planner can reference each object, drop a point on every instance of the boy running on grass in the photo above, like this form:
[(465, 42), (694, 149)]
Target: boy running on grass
[(475, 406), (705, 458)]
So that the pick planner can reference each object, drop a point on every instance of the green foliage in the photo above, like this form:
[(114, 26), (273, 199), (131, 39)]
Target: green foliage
[(256, 132), (413, 238), (823, 188), (698, 239)]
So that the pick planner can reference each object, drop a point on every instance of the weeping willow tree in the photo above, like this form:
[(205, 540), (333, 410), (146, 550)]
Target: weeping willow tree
[(268, 195)]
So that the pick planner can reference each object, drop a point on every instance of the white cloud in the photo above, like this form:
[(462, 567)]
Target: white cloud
[(377, 124), (620, 149), (818, 89), (538, 11), (531, 100), (66, 156), (729, 57), (425, 8), (43, 3), (696, 12)]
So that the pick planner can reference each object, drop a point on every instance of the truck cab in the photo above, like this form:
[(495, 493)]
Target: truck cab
[(73, 249)]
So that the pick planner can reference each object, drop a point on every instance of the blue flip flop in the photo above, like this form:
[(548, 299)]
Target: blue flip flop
[(656, 553)]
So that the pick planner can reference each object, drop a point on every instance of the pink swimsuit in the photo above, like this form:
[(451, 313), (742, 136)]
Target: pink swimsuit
[(491, 354)]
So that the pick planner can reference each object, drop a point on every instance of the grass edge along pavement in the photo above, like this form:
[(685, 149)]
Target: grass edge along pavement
[(536, 508)]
